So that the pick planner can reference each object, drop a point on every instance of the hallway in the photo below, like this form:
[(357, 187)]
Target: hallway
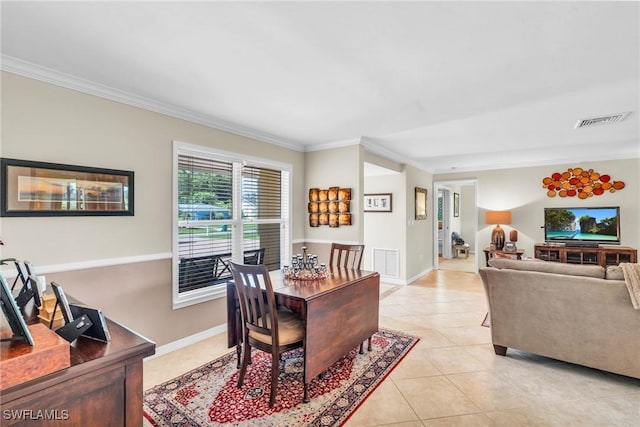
[(458, 263)]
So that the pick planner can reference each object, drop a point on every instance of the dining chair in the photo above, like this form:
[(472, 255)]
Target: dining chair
[(348, 256), (265, 326)]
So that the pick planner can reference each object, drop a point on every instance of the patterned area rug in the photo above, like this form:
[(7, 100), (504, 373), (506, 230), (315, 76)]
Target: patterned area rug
[(208, 396)]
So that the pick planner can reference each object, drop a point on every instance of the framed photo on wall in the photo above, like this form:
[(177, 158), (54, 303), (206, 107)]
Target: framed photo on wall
[(377, 202), (421, 203), (456, 205), (31, 188)]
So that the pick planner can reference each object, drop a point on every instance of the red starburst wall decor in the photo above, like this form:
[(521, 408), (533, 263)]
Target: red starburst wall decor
[(581, 183)]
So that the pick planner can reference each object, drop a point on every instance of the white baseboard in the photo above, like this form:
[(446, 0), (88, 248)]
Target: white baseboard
[(419, 275), (192, 339), (392, 280)]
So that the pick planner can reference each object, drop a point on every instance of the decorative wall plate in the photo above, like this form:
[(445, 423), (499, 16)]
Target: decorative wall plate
[(581, 183)]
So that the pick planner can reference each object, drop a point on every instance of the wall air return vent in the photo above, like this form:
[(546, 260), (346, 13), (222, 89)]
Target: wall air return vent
[(604, 120), (386, 262)]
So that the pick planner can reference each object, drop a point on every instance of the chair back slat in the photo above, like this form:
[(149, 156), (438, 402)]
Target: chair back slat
[(347, 256), (256, 298)]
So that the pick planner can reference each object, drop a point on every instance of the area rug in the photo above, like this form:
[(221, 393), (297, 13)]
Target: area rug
[(208, 396)]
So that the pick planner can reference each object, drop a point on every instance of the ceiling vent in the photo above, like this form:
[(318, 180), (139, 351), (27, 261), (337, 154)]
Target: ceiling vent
[(604, 120)]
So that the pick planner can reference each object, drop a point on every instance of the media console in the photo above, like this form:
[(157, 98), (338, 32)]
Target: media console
[(602, 255)]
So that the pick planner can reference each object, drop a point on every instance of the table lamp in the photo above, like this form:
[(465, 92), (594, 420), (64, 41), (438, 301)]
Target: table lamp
[(497, 218)]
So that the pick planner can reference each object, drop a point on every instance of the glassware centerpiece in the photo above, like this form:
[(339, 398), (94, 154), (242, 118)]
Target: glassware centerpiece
[(305, 267)]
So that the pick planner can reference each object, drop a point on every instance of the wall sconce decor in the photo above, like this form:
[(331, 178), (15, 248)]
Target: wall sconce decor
[(497, 218), (329, 207), (579, 182)]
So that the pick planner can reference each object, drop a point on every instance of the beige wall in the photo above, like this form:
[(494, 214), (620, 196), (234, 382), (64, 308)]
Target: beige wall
[(399, 229), (336, 167), (420, 236), (468, 212), (375, 159), (520, 190), (49, 123), (384, 230)]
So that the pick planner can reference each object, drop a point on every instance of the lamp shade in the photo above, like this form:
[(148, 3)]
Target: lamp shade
[(497, 217)]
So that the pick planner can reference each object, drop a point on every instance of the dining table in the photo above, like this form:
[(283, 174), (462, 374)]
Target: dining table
[(339, 312)]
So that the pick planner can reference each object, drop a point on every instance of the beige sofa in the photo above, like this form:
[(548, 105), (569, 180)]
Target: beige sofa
[(575, 313)]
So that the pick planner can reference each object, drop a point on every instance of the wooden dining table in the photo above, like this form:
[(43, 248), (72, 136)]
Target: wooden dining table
[(339, 313)]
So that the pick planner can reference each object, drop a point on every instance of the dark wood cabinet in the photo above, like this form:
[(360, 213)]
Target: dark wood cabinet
[(102, 387), (603, 255)]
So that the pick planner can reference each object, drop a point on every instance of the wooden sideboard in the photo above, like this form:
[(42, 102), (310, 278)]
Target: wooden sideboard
[(602, 255), (102, 387)]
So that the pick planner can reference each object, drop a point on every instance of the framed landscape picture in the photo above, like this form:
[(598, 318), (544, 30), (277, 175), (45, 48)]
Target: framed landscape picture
[(50, 189)]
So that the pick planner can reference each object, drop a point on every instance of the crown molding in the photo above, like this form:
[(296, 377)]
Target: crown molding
[(49, 75), (333, 144), (370, 144)]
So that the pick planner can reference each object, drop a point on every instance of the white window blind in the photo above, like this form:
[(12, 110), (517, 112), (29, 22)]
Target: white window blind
[(205, 211), (226, 210), (262, 212)]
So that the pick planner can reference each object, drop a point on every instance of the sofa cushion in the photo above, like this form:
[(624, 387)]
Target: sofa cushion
[(595, 271), (614, 272)]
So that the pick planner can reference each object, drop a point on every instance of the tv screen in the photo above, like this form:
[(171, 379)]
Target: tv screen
[(589, 225)]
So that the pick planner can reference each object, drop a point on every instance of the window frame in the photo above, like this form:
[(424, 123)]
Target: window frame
[(196, 296)]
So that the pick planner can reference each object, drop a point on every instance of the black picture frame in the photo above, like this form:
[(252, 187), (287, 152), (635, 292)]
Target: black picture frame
[(62, 302), (98, 330), (30, 188), (13, 315), (456, 205)]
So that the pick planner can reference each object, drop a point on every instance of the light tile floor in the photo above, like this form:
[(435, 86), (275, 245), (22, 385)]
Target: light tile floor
[(452, 377), (459, 263)]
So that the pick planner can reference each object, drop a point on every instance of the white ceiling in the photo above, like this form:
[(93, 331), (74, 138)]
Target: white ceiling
[(439, 85)]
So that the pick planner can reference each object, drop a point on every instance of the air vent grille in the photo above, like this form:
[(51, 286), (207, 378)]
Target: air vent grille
[(604, 120)]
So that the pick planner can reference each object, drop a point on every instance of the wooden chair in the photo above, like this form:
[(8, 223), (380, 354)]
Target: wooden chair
[(347, 256), (265, 327)]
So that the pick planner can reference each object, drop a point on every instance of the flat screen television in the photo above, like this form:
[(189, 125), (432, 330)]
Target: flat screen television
[(588, 226)]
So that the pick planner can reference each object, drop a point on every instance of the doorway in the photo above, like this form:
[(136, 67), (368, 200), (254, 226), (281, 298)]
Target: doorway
[(457, 211)]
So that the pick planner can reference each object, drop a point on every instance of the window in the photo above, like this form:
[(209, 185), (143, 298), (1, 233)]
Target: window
[(226, 208)]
